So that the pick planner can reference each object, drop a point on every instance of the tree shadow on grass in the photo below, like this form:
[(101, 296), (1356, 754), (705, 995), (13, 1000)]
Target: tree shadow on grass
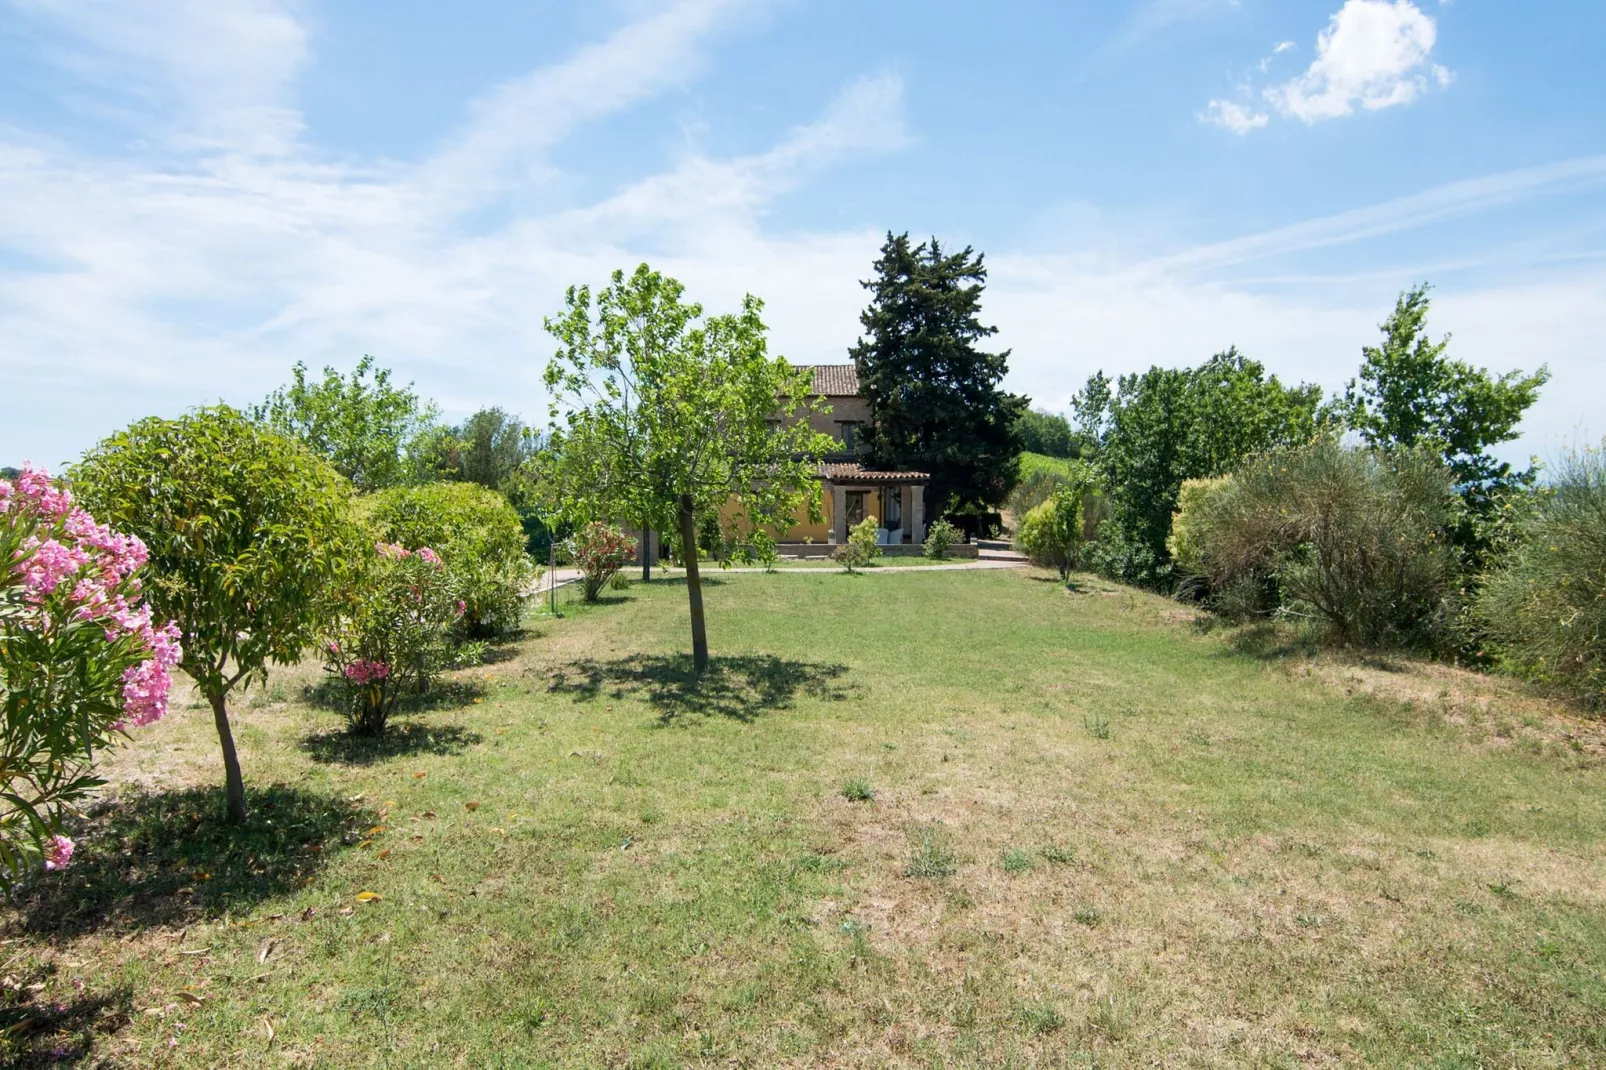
[(743, 688), (399, 740), (169, 858), (329, 694), (35, 1031)]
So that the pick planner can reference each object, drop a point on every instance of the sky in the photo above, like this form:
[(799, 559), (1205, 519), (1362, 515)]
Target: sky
[(196, 194)]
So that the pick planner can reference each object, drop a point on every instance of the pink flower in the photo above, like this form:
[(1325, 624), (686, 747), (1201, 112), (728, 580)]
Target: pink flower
[(366, 672), (39, 492), (49, 563), (393, 550), (425, 553), (58, 852), (462, 607)]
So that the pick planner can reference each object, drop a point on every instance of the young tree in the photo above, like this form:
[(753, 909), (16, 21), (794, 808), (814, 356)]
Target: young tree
[(368, 429), (656, 408), (245, 528), (1409, 393), (934, 397)]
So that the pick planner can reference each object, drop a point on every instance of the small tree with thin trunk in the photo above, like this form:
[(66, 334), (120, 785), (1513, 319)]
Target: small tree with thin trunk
[(662, 415), (245, 529)]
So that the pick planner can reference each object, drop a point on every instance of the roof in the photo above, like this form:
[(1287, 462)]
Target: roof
[(857, 473), (834, 380)]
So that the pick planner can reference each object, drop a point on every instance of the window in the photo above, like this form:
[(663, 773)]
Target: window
[(892, 508), (848, 432)]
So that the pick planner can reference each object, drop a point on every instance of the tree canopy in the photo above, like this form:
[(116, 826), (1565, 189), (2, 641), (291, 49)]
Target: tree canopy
[(1167, 425), (362, 424), (935, 401), (245, 527), (660, 414), (1048, 433)]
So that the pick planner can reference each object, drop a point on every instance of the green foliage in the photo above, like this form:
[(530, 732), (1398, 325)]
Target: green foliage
[(762, 549), (1350, 539), (1047, 433), (932, 855), (1183, 542), (1409, 393), (246, 530), (599, 552), (367, 428), (660, 415), (934, 398), (1544, 606), (490, 448), (479, 536), (858, 790), (1166, 426), (1053, 533), (389, 631), (861, 547), (939, 537)]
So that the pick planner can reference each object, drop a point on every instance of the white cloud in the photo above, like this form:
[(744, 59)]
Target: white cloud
[(1235, 117), (1373, 54)]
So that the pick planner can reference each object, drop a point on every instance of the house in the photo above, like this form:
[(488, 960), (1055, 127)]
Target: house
[(851, 490)]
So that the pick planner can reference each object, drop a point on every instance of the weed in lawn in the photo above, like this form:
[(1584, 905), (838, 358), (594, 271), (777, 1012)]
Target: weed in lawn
[(859, 934), (931, 854), (1016, 860), (818, 863), (1308, 921), (857, 790), (1060, 855), (1087, 915), (1110, 1019), (1098, 726), (1041, 1019)]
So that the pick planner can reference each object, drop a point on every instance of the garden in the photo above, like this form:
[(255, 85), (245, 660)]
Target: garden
[(1288, 749)]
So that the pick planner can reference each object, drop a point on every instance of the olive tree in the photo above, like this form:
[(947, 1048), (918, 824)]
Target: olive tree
[(245, 528), (659, 412)]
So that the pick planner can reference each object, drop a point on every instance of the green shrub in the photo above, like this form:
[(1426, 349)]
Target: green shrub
[(1350, 539), (939, 536), (599, 552), (861, 547), (1053, 533), (1544, 607), (1183, 542), (479, 536), (389, 631)]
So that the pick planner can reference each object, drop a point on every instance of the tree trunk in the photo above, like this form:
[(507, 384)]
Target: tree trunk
[(646, 554), (233, 783), (694, 583)]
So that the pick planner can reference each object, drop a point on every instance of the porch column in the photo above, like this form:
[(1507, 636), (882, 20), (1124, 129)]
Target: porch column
[(839, 512), (917, 514)]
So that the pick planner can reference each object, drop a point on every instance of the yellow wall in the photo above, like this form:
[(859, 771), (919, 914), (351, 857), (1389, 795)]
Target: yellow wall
[(802, 530)]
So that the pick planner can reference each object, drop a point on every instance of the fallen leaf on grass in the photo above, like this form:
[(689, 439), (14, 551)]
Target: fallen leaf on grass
[(382, 855), (376, 830), (192, 999), (369, 897), (267, 1027), (472, 806), (197, 951), (267, 949), (420, 776)]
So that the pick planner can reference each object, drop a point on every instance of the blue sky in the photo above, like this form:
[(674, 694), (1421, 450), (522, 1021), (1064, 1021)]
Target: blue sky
[(198, 193)]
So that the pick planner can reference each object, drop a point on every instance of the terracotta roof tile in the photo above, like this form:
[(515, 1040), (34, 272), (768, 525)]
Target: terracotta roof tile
[(834, 380), (857, 473)]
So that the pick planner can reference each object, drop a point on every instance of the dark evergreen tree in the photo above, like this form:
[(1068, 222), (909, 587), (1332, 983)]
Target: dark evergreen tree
[(935, 401)]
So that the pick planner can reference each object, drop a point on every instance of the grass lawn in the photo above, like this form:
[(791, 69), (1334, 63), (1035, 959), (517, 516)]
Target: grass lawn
[(934, 819)]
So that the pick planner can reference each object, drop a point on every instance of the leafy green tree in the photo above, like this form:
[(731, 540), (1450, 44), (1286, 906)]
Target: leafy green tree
[(246, 529), (1169, 425), (934, 397), (1409, 394), (1053, 532), (1047, 433), (367, 428), (489, 448), (657, 409)]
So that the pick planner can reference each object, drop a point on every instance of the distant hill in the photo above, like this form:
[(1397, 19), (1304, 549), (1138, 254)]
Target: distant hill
[(1031, 463)]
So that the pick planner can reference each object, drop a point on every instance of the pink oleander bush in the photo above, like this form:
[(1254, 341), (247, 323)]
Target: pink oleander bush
[(599, 553), (389, 631), (81, 660)]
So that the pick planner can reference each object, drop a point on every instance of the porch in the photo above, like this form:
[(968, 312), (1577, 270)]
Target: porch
[(895, 499)]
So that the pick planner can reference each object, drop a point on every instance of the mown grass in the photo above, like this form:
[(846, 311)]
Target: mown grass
[(1099, 836)]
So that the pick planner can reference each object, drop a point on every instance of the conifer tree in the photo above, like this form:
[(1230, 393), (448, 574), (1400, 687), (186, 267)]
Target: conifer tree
[(935, 401)]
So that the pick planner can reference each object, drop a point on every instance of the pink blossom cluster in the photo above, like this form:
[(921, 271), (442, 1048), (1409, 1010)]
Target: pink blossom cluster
[(58, 852), (396, 551), (366, 672), (101, 563)]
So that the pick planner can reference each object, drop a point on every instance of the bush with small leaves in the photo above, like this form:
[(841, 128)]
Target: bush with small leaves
[(857, 790), (939, 537), (480, 537), (861, 547)]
